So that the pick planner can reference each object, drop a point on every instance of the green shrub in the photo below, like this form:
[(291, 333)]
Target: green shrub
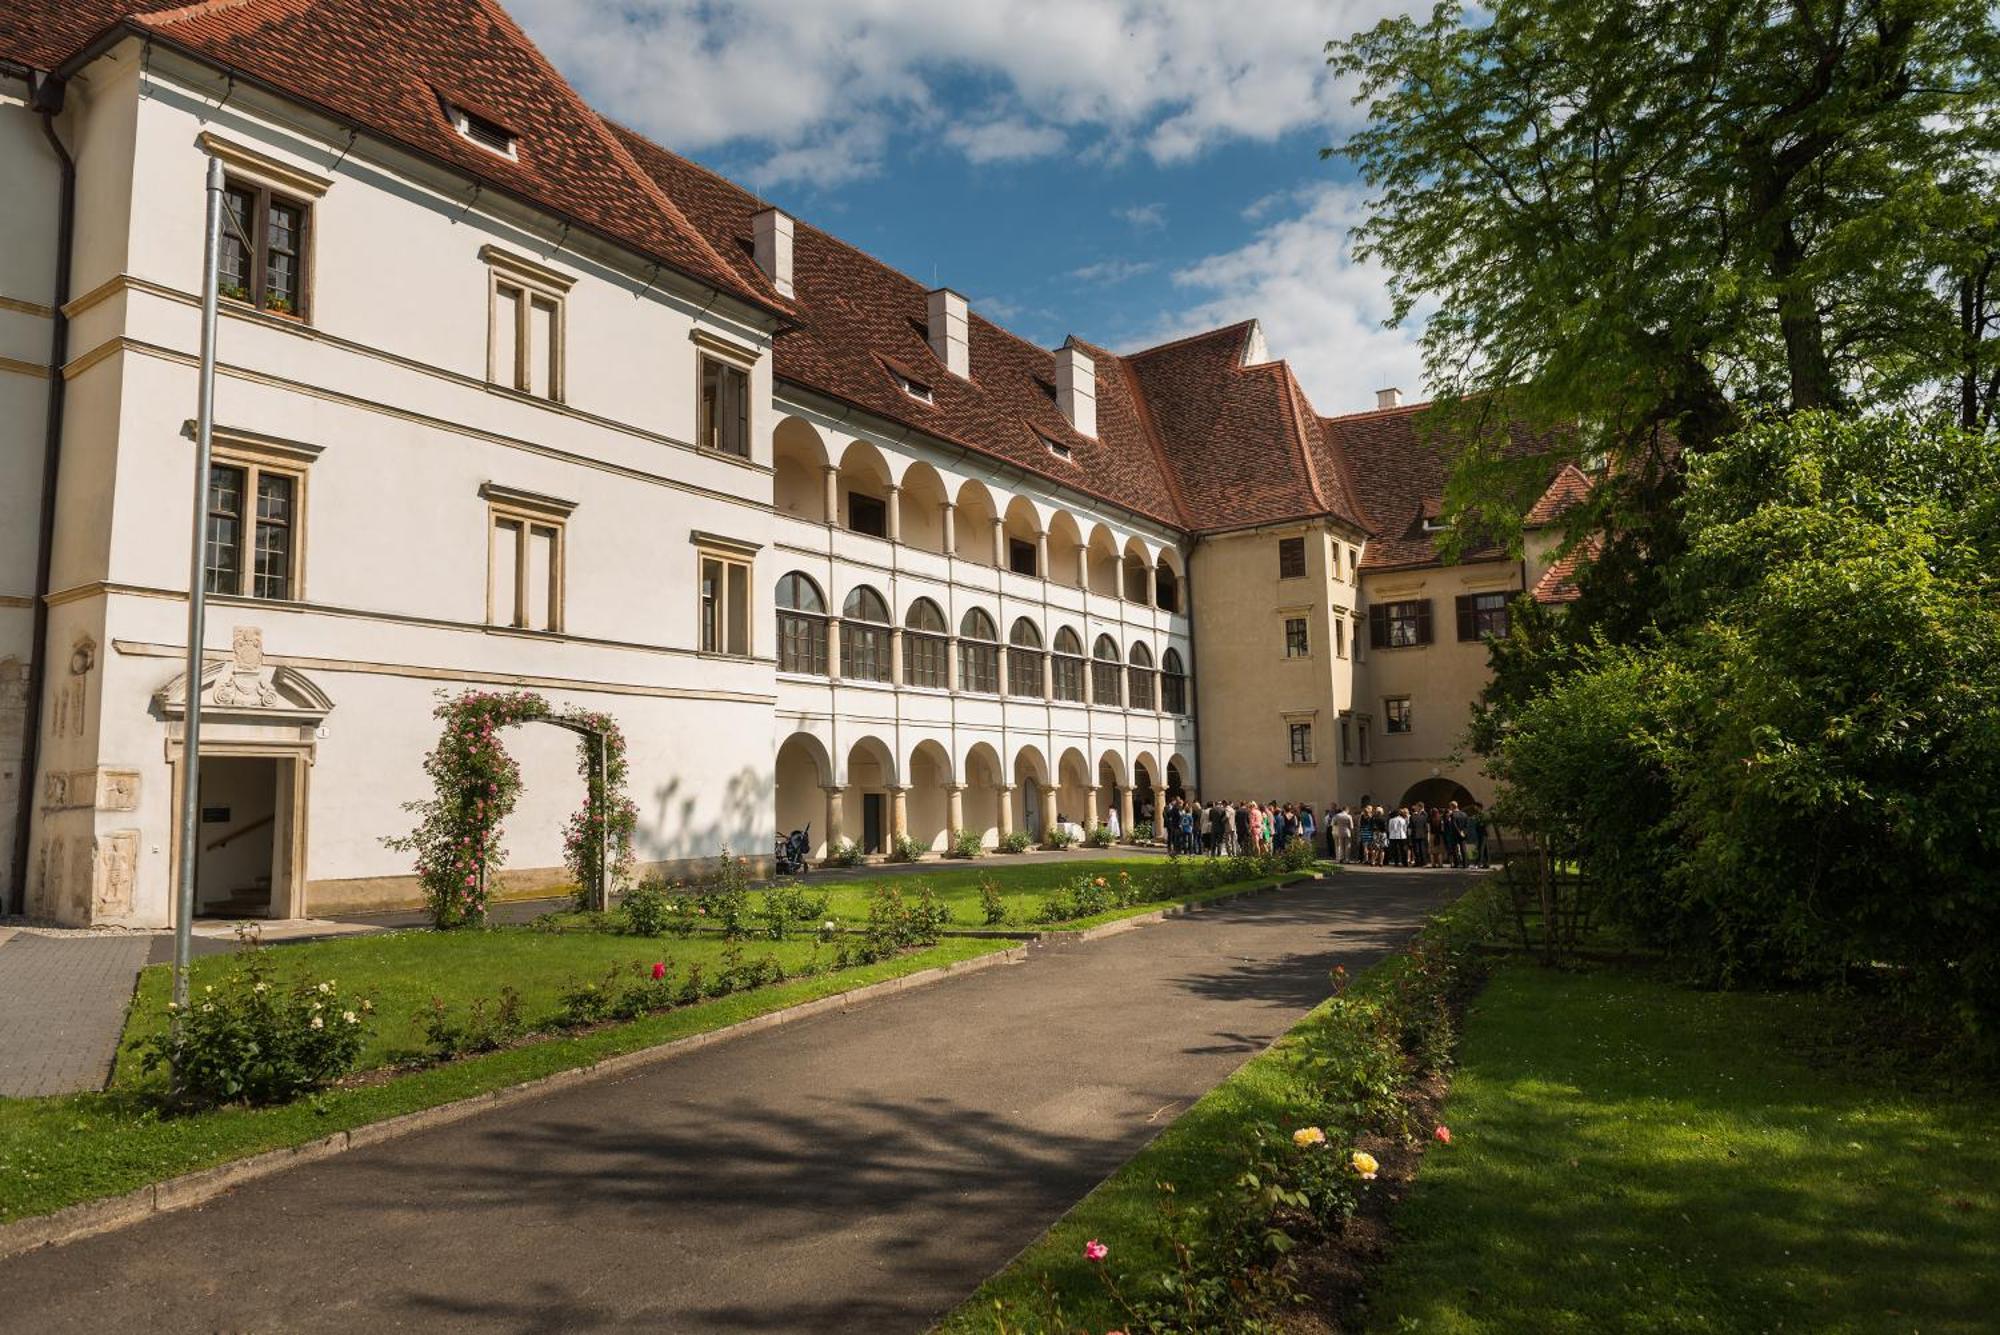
[(647, 907), (1098, 836), (257, 1039), (845, 853), (1058, 837), (991, 906), (1142, 832), (967, 844), (1016, 842), (724, 897), (448, 1035), (788, 908), (896, 923)]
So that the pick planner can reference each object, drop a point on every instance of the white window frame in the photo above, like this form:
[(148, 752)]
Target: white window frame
[(729, 552)]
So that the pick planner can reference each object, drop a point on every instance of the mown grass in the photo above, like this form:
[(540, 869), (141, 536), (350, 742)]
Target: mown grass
[(57, 1152), (1198, 1154), (1634, 1155)]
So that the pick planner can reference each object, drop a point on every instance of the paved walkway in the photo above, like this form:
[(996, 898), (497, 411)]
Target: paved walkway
[(62, 1007), (858, 1171)]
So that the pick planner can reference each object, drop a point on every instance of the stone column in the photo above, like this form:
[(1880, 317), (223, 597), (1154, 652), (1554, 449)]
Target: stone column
[(833, 495), (950, 529), (895, 513), (1049, 675), (1152, 586), (1125, 810), (1042, 554), (1083, 566), (896, 655), (835, 815), (954, 820), (1006, 809), (1050, 792), (899, 812), (1000, 670), (999, 543), (833, 648), (1090, 820)]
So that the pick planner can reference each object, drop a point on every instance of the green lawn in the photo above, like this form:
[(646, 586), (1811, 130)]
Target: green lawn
[(1633, 1155), (402, 971), (60, 1151), (1022, 884)]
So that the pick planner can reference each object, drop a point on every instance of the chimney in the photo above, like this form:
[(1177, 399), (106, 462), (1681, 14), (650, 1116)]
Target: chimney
[(945, 315), (1076, 387), (1388, 398), (773, 232)]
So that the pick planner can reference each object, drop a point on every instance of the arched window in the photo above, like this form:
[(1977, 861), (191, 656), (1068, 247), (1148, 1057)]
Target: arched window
[(1173, 683), (801, 626), (1141, 695), (1024, 659), (1066, 666), (1106, 669), (926, 646), (1169, 599), (978, 654), (864, 636)]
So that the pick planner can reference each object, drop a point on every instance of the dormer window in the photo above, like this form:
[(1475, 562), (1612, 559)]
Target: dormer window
[(488, 134), (1434, 524), (1056, 447), (916, 389)]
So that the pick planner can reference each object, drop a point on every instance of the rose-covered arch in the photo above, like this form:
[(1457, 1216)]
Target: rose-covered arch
[(457, 839)]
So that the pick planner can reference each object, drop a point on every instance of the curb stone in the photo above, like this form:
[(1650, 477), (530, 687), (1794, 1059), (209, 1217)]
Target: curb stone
[(87, 1218)]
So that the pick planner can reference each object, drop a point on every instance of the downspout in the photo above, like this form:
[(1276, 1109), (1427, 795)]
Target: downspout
[(46, 97), (1193, 673)]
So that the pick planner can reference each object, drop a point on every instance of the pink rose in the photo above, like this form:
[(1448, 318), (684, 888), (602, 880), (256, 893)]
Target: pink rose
[(1443, 1134), (1095, 1250)]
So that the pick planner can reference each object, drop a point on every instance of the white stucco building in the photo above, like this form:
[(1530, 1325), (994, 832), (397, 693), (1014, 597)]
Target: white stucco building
[(509, 397)]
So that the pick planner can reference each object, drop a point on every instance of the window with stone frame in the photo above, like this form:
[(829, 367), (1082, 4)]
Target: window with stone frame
[(926, 647), (1066, 667), (255, 523), (1301, 742), (1400, 625), (1481, 615), (801, 626), (978, 654), (263, 251), (865, 636), (1024, 660), (1173, 683), (1396, 714), (725, 603), (1298, 638), (1291, 558), (1106, 673), (725, 409)]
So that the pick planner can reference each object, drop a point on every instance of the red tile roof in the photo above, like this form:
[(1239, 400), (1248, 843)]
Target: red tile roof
[(1572, 486), (1188, 435), (387, 68), (1558, 583)]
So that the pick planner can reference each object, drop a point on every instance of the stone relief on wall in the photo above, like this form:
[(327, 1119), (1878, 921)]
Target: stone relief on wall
[(242, 683), (72, 693), (114, 865)]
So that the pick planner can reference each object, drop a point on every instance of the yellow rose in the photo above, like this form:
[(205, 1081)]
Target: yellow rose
[(1364, 1164), (1308, 1135)]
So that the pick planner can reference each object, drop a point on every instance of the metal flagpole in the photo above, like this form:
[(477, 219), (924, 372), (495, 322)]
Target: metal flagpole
[(204, 424)]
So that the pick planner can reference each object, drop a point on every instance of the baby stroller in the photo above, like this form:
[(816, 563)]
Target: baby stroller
[(792, 850)]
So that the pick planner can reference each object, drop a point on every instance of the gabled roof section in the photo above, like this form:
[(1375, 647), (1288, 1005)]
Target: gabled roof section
[(1241, 442), (1557, 585), (853, 315), (389, 68), (1571, 488)]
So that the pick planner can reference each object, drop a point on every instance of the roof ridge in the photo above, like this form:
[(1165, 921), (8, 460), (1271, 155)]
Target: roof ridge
[(184, 13), (1293, 398), (1217, 332), (1151, 431), (1379, 412)]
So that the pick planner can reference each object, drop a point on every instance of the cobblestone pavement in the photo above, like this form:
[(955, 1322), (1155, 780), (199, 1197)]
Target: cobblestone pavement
[(62, 1007)]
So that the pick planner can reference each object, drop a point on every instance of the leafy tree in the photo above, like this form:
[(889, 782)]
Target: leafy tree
[(1643, 222)]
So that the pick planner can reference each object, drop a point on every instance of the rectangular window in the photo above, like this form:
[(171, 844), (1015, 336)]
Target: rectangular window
[(1173, 692), (924, 660), (1105, 675), (526, 334), (1298, 640), (263, 249), (1396, 714), (1361, 730), (979, 667), (524, 572), (867, 515), (802, 643), (1291, 558), (864, 650), (1021, 557), (1302, 743), (1356, 638), (1024, 672), (1400, 625), (1346, 740), (1353, 565), (1339, 636), (1481, 615), (252, 547), (725, 606), (725, 408), (1067, 671), (1141, 687)]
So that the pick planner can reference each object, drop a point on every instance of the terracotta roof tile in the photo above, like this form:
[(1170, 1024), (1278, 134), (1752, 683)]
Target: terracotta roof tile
[(1572, 486), (1558, 583), (386, 67)]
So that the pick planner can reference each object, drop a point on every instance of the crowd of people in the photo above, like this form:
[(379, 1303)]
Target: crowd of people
[(1370, 835)]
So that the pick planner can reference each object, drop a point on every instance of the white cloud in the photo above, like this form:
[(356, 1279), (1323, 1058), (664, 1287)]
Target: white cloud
[(1010, 139), (1111, 271), (1320, 309), (1143, 216), (1173, 78)]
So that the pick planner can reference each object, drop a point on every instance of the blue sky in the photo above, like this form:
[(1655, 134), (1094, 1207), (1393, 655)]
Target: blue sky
[(1126, 172)]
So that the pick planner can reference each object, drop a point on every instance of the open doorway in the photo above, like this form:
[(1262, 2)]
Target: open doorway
[(243, 835)]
